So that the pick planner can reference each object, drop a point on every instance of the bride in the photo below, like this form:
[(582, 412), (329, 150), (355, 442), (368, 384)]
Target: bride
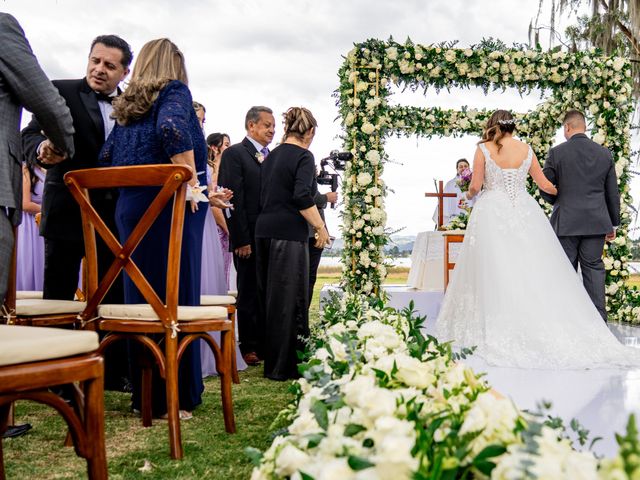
[(514, 294)]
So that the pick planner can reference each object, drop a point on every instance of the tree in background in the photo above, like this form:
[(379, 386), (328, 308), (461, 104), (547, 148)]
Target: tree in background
[(612, 26)]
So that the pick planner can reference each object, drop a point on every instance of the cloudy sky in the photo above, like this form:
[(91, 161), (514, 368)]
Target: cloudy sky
[(285, 53)]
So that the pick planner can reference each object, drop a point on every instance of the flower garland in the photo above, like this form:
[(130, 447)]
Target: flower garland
[(379, 400), (599, 86)]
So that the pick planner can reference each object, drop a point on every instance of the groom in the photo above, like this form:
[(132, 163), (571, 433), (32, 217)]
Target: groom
[(586, 211)]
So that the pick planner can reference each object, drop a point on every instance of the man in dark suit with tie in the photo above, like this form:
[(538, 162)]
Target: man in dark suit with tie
[(89, 101), (586, 211), (240, 171)]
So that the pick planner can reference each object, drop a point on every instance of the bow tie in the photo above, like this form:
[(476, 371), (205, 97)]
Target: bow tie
[(103, 97)]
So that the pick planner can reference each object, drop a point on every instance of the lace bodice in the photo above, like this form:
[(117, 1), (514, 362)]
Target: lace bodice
[(512, 181)]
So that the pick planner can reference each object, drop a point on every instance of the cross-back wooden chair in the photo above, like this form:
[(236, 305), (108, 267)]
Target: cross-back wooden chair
[(35, 311), (138, 322), (34, 359)]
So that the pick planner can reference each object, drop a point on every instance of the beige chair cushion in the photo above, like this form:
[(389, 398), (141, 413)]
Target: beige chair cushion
[(33, 306), (233, 293), (145, 312), (23, 294), (20, 344), (217, 300)]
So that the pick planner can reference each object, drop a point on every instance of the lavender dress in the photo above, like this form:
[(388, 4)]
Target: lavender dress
[(214, 282), (30, 265)]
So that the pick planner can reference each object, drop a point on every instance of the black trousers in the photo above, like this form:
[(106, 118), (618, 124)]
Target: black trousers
[(283, 286), (250, 317), (315, 254), (62, 260), (586, 250)]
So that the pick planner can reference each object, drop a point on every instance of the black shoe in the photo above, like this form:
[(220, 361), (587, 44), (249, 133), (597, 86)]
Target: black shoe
[(16, 430)]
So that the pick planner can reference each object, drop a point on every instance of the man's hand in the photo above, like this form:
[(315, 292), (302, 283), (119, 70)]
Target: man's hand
[(332, 197), (610, 237), (243, 252), (49, 154)]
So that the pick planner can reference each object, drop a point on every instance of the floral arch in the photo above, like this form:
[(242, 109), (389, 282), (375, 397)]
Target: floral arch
[(599, 86)]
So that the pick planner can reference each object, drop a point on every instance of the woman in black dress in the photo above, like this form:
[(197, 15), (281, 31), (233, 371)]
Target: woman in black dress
[(281, 243)]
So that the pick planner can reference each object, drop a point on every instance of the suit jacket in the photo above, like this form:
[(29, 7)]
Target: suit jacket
[(241, 172), (588, 201), (24, 84), (60, 212)]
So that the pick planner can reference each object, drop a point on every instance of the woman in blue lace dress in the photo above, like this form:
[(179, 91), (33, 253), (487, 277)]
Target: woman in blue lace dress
[(156, 123)]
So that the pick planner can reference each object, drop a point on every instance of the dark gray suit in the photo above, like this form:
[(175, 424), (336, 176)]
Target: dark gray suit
[(22, 84), (586, 209)]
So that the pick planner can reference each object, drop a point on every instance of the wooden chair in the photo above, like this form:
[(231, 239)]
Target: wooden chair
[(139, 322), (34, 359), (31, 309)]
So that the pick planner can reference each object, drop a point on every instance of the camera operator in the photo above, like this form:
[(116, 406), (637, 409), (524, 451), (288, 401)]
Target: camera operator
[(321, 200)]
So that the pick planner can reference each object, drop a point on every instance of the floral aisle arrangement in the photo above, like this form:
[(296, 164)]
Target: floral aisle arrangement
[(378, 400), (599, 86)]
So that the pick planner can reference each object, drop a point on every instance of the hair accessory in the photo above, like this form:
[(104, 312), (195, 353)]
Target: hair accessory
[(511, 121)]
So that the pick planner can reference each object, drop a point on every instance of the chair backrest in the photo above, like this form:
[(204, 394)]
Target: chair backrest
[(172, 179)]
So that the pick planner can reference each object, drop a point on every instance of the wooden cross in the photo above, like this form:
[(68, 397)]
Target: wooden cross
[(441, 196)]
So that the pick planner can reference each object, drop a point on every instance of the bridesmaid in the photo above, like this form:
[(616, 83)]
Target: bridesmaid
[(218, 143), (30, 265), (215, 280)]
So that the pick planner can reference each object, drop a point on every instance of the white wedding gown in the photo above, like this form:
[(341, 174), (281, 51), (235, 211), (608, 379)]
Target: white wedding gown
[(514, 294)]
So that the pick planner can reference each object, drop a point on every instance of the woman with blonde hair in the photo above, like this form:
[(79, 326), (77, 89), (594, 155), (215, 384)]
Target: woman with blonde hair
[(514, 294), (282, 233), (156, 123)]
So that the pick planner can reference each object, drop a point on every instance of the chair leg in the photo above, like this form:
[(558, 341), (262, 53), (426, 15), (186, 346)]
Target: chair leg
[(94, 427), (146, 392), (173, 407), (5, 411), (225, 380), (234, 362)]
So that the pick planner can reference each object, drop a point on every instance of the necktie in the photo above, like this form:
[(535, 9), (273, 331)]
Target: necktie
[(103, 97), (264, 152)]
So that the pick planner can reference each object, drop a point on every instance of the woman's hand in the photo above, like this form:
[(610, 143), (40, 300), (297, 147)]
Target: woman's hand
[(221, 198), (321, 236)]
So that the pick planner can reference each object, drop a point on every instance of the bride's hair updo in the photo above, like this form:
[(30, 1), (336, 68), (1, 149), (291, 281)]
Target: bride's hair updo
[(500, 123), (297, 122)]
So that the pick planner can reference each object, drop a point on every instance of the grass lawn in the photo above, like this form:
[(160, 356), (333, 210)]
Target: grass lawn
[(209, 451)]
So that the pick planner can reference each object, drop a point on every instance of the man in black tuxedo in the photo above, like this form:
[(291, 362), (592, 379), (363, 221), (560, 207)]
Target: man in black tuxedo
[(240, 171), (586, 211), (89, 100)]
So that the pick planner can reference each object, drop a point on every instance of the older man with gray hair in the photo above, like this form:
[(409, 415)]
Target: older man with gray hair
[(241, 171)]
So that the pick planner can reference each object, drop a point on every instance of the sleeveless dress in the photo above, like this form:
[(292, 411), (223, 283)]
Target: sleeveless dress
[(515, 295), (30, 262)]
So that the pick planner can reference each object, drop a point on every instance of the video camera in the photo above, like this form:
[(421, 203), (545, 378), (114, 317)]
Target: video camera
[(336, 160)]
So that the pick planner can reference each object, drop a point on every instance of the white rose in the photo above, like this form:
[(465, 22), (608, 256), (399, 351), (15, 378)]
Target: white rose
[(413, 372), (367, 128), (289, 460), (599, 138), (304, 424), (392, 53), (373, 157), (364, 179), (618, 63)]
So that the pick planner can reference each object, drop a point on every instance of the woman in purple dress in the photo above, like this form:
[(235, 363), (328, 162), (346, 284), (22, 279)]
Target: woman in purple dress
[(30, 264), (218, 143), (215, 261)]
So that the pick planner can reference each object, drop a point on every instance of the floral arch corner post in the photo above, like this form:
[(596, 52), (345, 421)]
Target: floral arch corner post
[(599, 86)]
